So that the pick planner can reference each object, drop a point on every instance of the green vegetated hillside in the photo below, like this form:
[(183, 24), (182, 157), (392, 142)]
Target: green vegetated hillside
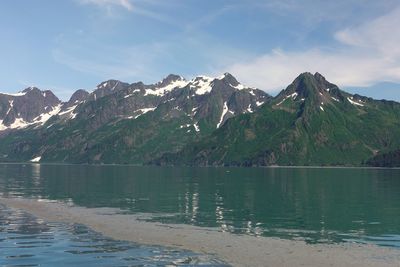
[(311, 122), (207, 122)]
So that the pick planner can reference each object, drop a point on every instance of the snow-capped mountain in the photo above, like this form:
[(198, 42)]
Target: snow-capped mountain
[(33, 107), (311, 122), (28, 107), (201, 97), (177, 111), (201, 121)]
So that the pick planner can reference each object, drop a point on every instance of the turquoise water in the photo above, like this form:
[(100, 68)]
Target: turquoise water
[(317, 205)]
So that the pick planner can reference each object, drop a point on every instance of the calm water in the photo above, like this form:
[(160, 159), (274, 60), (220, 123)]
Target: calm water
[(316, 205), (28, 241)]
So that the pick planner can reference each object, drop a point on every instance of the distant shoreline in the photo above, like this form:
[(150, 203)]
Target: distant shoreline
[(210, 166), (238, 250)]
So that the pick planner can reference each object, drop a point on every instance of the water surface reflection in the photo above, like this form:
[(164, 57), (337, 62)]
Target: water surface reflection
[(319, 205)]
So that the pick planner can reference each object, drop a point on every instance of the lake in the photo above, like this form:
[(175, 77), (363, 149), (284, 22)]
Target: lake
[(318, 205)]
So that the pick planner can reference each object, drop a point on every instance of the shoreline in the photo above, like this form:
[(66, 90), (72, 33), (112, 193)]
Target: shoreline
[(237, 250), (188, 166)]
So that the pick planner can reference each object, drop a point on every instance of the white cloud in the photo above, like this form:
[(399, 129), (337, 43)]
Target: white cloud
[(109, 3), (380, 35), (367, 54)]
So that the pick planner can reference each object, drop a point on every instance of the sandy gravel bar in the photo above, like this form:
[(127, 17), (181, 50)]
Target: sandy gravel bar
[(237, 250)]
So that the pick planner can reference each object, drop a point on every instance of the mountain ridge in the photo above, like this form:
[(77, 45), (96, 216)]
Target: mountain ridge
[(204, 121), (311, 122), (169, 83), (177, 111)]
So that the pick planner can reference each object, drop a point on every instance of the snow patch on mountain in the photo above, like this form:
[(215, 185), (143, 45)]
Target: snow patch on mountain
[(20, 123), (115, 86), (69, 111), (202, 84), (238, 86), (143, 111), (350, 99), (259, 103), (102, 85), (334, 98), (15, 94), (11, 103), (133, 93), (43, 118), (224, 111), (184, 126), (160, 91), (194, 110), (196, 127), (293, 96), (37, 159)]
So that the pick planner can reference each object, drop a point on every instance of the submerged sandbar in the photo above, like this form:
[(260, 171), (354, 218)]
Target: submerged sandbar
[(238, 250)]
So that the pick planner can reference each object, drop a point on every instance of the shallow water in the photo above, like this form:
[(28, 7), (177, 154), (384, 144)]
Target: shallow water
[(319, 205), (28, 241)]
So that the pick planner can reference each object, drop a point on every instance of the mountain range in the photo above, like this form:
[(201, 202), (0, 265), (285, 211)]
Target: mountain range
[(201, 122)]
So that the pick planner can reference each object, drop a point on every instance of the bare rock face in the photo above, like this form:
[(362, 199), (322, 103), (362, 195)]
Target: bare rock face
[(203, 98), (78, 97), (26, 107)]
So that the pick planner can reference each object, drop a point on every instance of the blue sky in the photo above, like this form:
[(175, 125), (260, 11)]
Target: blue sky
[(65, 45)]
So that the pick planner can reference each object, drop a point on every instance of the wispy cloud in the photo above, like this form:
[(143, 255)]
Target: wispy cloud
[(207, 18), (148, 61), (123, 65), (107, 4), (113, 8), (360, 55), (379, 35), (367, 54)]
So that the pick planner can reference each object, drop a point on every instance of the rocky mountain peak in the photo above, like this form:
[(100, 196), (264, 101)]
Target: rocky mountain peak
[(321, 79), (78, 96), (31, 89), (305, 83), (35, 95), (308, 85), (202, 78), (169, 79), (230, 79), (27, 108), (108, 87), (109, 84), (313, 90)]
